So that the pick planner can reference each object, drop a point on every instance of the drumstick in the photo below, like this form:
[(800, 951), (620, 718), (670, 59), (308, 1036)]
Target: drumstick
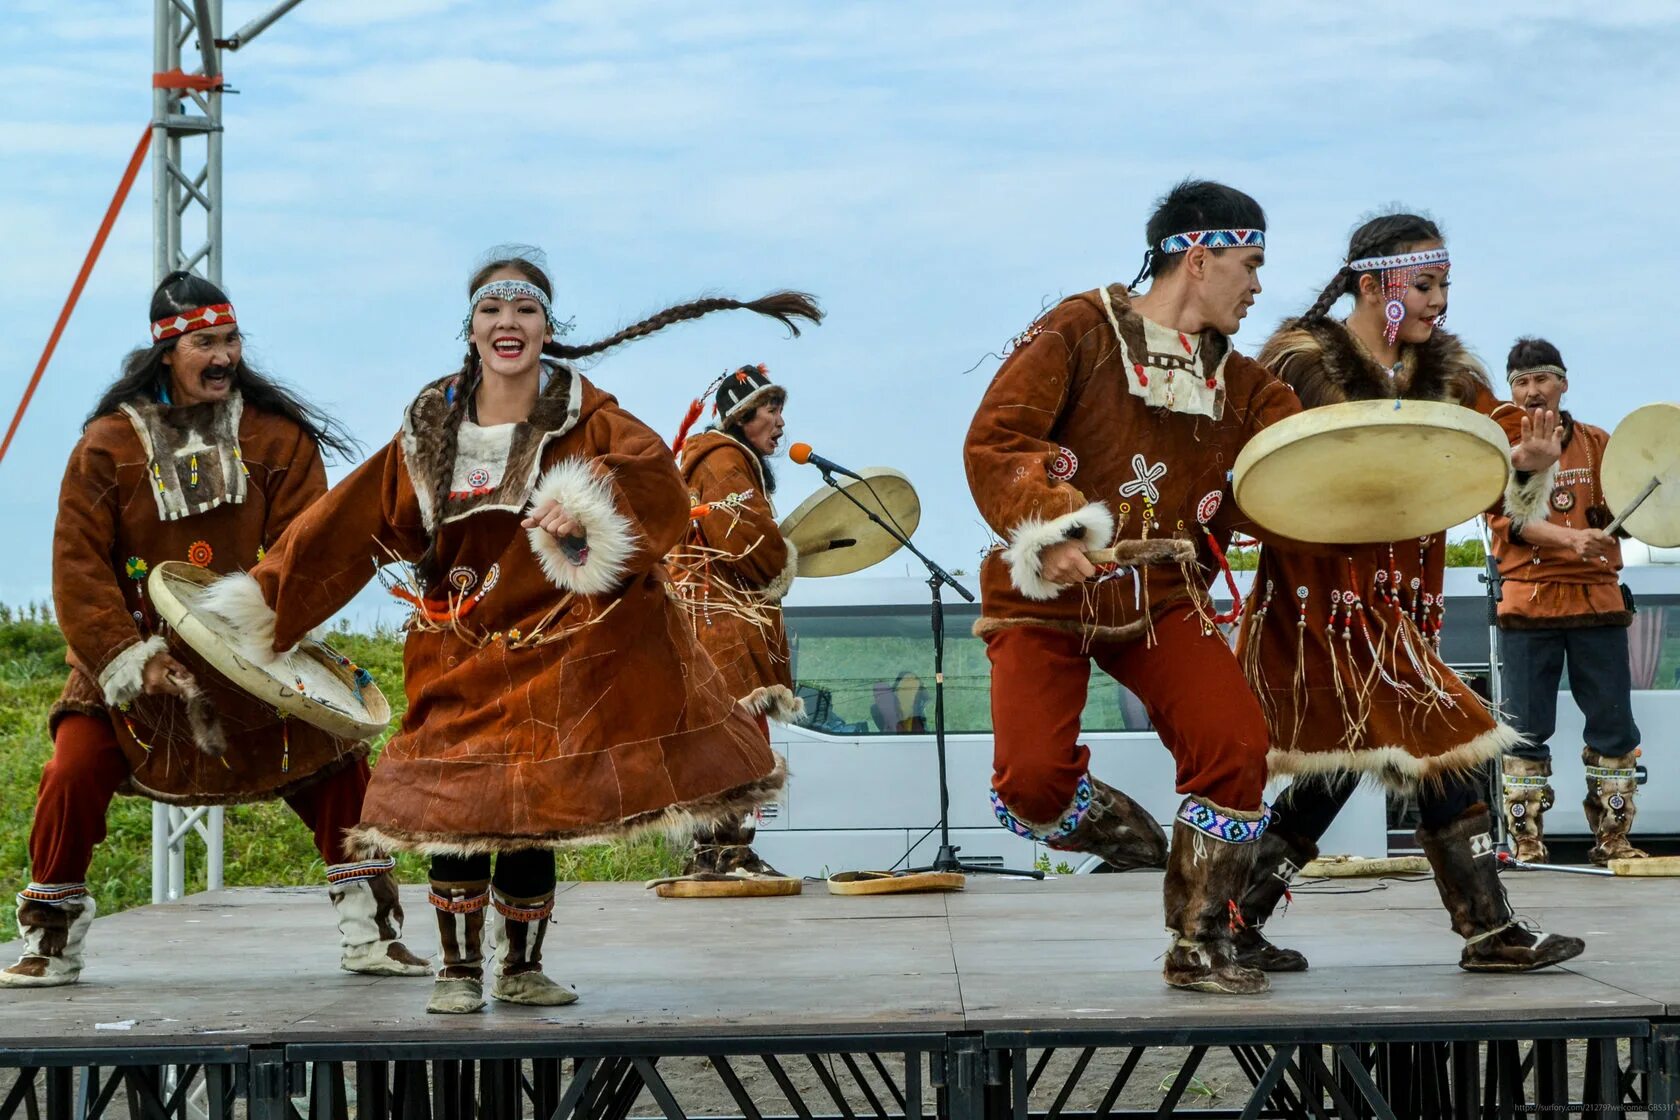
[(1510, 860), (828, 546), (1650, 488)]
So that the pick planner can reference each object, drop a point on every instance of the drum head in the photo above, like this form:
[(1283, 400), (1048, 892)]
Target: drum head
[(312, 683), (1364, 472), (1644, 446), (828, 518)]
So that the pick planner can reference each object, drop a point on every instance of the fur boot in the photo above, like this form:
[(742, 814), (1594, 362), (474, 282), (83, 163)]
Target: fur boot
[(1278, 859), (1528, 794), (1117, 829), (1211, 860), (725, 848), (370, 918), (1612, 784), (1467, 876), (459, 989), (1100, 821), (54, 935), (520, 925)]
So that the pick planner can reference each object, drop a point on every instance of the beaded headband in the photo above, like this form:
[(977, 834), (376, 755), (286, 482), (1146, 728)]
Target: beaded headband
[(214, 315), (1557, 371), (1419, 259), (513, 289), (1215, 239), (1397, 273)]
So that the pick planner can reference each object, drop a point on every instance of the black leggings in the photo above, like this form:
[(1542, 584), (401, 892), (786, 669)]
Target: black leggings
[(523, 874), (1307, 808)]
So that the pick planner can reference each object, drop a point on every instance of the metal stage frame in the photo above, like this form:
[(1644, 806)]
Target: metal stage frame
[(1632, 1068), (972, 1005)]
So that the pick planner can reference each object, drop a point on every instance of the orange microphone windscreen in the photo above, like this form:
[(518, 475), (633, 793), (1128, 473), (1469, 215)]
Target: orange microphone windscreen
[(800, 452)]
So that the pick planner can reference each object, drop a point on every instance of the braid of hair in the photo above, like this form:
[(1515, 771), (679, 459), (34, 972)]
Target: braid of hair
[(466, 383), (1340, 284), (785, 307)]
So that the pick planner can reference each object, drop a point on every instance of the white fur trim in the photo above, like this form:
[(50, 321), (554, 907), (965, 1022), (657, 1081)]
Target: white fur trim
[(238, 600), (1031, 537), (588, 498), (776, 701), (1395, 766), (776, 590), (751, 401), (124, 677), (1526, 501)]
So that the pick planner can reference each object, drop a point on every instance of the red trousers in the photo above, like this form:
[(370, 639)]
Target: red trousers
[(1189, 682), (87, 768)]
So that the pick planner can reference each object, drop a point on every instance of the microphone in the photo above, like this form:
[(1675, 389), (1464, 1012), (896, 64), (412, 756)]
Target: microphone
[(802, 453)]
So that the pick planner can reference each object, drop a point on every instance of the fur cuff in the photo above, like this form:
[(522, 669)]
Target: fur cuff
[(125, 675), (778, 588), (238, 599), (775, 701), (1526, 501), (588, 498), (1031, 537)]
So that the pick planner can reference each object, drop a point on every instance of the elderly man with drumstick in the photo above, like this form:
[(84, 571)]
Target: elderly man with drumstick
[(1099, 455), (1563, 602), (733, 571), (191, 455)]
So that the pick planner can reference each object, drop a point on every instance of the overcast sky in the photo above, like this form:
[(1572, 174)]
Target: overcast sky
[(934, 172)]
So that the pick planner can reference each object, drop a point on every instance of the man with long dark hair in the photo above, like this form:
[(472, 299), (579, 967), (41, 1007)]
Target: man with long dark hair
[(191, 455)]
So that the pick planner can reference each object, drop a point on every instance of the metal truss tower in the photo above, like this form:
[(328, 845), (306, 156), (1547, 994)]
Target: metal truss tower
[(187, 234)]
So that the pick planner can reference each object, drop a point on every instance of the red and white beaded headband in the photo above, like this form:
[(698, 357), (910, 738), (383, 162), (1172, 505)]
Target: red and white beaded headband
[(1397, 273), (1420, 259), (1556, 371), (215, 315)]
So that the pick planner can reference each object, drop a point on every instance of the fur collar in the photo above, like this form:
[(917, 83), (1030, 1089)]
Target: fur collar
[(1325, 364), (192, 454), (494, 467)]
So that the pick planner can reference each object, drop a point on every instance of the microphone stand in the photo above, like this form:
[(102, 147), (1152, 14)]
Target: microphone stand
[(945, 859), (1496, 687)]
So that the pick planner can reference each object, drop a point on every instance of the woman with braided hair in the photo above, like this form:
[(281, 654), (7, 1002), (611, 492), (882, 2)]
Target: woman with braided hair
[(556, 693), (1340, 645)]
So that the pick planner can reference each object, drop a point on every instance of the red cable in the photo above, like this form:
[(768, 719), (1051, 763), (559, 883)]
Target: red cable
[(117, 200)]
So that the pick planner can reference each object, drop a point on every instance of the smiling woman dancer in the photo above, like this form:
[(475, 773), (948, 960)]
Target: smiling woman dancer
[(1342, 648), (190, 455), (555, 690)]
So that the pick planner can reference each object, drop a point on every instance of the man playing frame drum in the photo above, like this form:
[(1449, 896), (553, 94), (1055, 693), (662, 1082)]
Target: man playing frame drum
[(1562, 601)]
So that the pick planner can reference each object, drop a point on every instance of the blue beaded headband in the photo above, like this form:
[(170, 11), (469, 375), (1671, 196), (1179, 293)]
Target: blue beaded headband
[(1215, 239), (513, 289)]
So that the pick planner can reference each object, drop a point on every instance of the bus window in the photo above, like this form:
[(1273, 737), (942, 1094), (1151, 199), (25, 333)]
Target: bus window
[(869, 671), (1654, 642)]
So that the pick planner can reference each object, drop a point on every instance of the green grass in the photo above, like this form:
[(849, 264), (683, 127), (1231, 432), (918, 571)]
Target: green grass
[(265, 845)]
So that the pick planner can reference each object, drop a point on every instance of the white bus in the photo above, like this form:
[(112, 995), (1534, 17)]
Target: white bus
[(863, 790)]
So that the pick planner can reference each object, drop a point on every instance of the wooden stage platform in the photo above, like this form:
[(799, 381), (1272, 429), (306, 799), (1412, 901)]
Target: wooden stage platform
[(950, 1003)]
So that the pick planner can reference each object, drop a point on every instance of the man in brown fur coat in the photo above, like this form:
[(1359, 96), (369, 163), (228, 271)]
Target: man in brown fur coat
[(1112, 426)]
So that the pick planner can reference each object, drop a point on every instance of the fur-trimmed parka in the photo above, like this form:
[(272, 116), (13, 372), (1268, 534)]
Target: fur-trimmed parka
[(1341, 645), (213, 484), (1105, 427), (551, 699), (739, 567)]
